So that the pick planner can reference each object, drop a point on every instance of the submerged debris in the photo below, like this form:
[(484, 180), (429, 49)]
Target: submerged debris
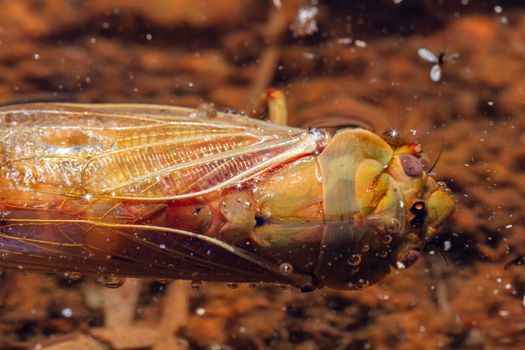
[(305, 23)]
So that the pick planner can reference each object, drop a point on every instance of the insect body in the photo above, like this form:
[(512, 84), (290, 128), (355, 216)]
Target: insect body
[(164, 192), (439, 60)]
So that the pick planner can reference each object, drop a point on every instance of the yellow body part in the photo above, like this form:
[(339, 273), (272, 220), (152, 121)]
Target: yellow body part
[(370, 185), (339, 164), (277, 107), (292, 193)]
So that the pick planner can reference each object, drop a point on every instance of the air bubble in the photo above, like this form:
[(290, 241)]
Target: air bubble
[(393, 226), (443, 187), (67, 312), (286, 268), (305, 23), (386, 239), (74, 275), (361, 284), (112, 281), (354, 260), (232, 285), (196, 285)]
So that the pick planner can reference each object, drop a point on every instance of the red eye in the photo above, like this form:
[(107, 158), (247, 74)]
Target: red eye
[(412, 166)]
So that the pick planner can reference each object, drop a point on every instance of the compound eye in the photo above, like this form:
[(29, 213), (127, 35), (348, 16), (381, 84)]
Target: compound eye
[(420, 213), (412, 166)]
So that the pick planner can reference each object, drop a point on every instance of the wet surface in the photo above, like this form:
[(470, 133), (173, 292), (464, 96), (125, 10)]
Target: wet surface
[(341, 66)]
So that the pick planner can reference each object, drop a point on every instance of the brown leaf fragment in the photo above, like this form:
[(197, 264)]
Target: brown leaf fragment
[(78, 342), (120, 304), (128, 337), (175, 315)]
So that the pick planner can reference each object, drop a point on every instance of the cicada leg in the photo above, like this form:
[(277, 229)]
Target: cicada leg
[(277, 106), (275, 101)]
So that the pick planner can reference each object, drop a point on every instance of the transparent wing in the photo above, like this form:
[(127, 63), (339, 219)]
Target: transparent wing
[(138, 151), (86, 187), (129, 250), (435, 73), (427, 55)]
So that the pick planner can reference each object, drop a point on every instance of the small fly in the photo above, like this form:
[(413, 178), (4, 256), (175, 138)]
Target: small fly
[(439, 60)]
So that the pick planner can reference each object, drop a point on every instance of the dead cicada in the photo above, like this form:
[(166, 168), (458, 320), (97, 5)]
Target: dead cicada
[(164, 192)]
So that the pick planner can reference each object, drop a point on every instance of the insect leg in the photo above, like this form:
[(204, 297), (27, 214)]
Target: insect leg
[(277, 106), (275, 101)]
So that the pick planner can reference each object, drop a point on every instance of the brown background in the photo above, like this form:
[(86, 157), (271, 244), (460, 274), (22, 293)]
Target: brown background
[(190, 52)]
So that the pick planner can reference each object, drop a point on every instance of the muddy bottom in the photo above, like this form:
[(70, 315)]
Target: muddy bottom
[(348, 64)]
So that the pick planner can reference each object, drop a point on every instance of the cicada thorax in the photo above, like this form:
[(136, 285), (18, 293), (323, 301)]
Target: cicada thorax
[(278, 217), (308, 214), (362, 209)]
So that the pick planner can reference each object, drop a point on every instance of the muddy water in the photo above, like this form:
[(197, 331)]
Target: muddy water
[(339, 65)]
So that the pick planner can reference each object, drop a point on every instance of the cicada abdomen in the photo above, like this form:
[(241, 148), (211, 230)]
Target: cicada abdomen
[(164, 192)]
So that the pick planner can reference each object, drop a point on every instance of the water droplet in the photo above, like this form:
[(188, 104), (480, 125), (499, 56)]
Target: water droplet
[(386, 239), (362, 284), (286, 268), (393, 226), (67, 312), (354, 260), (74, 276), (112, 281), (305, 23), (196, 285), (360, 43), (232, 285), (443, 187)]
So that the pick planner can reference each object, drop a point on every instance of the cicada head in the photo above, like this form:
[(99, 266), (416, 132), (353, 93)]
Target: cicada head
[(427, 202), (393, 205)]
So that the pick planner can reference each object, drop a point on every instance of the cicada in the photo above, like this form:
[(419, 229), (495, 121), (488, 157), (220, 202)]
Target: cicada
[(170, 192)]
